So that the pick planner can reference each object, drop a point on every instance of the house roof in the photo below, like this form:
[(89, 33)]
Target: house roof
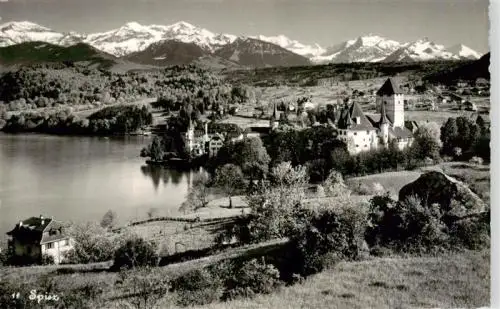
[(31, 225), (347, 119), (50, 237), (31, 229), (34, 228), (400, 132), (390, 87), (411, 125)]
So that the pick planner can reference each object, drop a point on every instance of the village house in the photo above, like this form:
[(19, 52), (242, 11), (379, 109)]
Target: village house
[(35, 237), (364, 133)]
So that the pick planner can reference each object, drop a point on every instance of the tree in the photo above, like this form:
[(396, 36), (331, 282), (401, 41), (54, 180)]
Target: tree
[(108, 220), (156, 150), (230, 178), (334, 185), (135, 252), (449, 134), (198, 195), (427, 140), (276, 207), (92, 243), (252, 157)]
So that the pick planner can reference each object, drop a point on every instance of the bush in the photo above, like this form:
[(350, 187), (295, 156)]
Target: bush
[(145, 287), (329, 236), (253, 277), (198, 287), (406, 226), (334, 185), (135, 252), (47, 259), (476, 160), (92, 244), (471, 233), (375, 188)]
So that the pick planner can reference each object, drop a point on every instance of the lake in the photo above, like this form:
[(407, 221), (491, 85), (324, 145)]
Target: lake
[(80, 178)]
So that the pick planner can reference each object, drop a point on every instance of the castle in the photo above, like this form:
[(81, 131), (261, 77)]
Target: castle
[(197, 144), (363, 133)]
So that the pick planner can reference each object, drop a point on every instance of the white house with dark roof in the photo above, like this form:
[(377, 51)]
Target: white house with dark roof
[(37, 236), (363, 133)]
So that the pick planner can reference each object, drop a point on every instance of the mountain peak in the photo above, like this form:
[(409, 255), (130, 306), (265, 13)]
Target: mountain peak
[(183, 24), (292, 45), (21, 26), (133, 24), (463, 51)]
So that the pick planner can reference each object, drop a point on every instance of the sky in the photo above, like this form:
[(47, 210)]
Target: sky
[(326, 22)]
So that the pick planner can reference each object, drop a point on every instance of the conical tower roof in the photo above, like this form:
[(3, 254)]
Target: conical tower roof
[(383, 115), (390, 87)]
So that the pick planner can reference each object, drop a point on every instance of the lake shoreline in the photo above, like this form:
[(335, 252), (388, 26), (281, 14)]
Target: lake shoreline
[(94, 174)]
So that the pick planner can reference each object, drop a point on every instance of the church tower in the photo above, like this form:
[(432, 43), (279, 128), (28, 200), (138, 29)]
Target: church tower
[(391, 96)]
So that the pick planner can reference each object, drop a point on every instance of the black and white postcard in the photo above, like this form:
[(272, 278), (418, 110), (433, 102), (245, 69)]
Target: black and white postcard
[(245, 154)]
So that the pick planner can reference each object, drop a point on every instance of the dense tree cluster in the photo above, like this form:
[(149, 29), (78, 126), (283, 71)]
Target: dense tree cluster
[(108, 121), (53, 85), (249, 155), (319, 150), (338, 72), (463, 138)]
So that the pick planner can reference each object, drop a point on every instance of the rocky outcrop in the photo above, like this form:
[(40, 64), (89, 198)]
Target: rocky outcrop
[(455, 198)]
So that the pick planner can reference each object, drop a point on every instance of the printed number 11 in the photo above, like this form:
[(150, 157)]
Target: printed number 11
[(15, 295)]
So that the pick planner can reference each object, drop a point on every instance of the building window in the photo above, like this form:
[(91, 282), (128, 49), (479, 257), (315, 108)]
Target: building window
[(357, 146), (366, 145), (66, 242), (355, 133), (49, 245)]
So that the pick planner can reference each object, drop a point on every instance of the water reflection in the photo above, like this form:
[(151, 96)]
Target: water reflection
[(160, 174), (79, 178)]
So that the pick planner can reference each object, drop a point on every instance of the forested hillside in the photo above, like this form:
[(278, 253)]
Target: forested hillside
[(311, 75), (63, 84)]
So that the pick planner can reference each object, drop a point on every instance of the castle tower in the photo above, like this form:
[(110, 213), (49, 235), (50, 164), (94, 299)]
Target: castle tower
[(274, 121), (190, 137), (391, 96), (384, 126)]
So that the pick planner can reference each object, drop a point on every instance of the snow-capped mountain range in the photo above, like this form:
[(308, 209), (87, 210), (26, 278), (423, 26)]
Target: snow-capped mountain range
[(134, 37)]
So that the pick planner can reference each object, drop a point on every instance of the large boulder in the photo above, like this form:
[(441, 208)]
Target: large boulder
[(454, 197)]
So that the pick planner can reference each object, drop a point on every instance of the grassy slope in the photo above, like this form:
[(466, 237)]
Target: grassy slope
[(453, 280), (476, 176), (459, 280)]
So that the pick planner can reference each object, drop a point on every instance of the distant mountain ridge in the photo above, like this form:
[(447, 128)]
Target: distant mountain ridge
[(42, 52), (130, 39), (169, 52), (257, 53)]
